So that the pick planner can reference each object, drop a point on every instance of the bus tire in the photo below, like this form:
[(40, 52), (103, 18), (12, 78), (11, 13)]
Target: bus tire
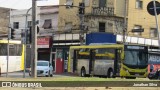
[(83, 72), (29, 73), (110, 73)]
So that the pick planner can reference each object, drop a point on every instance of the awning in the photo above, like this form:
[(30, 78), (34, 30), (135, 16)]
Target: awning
[(47, 24)]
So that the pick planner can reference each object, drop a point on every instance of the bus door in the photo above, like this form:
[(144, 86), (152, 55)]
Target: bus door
[(92, 60), (117, 62), (75, 57)]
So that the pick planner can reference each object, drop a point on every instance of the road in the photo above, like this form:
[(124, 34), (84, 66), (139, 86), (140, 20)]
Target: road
[(20, 75)]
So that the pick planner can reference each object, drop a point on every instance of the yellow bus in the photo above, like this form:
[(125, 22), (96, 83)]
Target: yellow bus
[(16, 56), (110, 60)]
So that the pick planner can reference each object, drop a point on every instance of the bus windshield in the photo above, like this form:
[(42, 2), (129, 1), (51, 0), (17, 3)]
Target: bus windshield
[(135, 58)]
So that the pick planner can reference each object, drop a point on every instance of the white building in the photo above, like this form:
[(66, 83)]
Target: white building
[(47, 21)]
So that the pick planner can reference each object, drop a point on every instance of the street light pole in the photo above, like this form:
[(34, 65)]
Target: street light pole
[(81, 17), (25, 42), (125, 21), (34, 42), (8, 42)]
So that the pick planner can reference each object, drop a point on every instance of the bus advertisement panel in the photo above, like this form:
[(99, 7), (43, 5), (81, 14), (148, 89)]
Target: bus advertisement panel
[(153, 61)]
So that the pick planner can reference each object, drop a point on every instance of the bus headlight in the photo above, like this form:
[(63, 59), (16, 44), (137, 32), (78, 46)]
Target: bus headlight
[(124, 69)]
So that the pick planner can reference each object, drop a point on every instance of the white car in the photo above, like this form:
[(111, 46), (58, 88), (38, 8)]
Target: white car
[(44, 68)]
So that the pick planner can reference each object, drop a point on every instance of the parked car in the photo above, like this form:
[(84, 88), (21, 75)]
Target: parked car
[(44, 68)]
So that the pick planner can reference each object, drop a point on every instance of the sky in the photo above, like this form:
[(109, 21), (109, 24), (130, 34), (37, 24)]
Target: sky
[(25, 4)]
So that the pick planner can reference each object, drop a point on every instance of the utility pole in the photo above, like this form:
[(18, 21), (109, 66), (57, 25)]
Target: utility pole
[(9, 29), (125, 20), (34, 42)]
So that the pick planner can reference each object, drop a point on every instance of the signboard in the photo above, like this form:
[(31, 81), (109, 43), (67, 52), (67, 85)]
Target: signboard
[(136, 47), (154, 59), (43, 42), (150, 7)]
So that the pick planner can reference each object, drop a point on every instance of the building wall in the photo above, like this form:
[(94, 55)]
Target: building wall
[(43, 13), (20, 16), (68, 14), (48, 13), (113, 24), (4, 20), (140, 17), (119, 7)]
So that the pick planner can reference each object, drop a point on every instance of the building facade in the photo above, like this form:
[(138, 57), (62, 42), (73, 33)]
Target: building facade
[(47, 18), (103, 16), (4, 21), (100, 16), (138, 17), (111, 16)]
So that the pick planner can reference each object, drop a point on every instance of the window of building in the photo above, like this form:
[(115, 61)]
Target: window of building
[(139, 4), (86, 2), (68, 26), (102, 27), (70, 3), (137, 27), (47, 24), (102, 3), (16, 25), (29, 24), (153, 32)]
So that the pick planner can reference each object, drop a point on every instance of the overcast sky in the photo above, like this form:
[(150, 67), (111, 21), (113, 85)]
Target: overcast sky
[(25, 4)]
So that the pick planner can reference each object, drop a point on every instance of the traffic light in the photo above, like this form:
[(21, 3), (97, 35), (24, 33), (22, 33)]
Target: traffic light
[(29, 34), (12, 33), (37, 29), (81, 8)]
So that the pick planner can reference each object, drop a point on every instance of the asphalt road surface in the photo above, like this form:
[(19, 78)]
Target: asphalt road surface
[(21, 75)]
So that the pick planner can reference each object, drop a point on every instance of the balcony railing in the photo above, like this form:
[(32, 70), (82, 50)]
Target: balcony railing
[(105, 11)]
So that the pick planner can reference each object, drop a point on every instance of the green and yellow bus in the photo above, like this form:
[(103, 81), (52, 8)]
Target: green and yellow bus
[(110, 60)]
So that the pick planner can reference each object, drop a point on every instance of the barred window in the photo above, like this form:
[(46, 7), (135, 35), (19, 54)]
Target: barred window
[(14, 49), (3, 49), (139, 4)]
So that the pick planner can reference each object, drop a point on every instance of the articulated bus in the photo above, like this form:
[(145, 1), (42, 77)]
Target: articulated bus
[(112, 60), (16, 56)]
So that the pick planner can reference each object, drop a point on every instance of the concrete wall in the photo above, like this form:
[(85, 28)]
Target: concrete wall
[(4, 20), (71, 15)]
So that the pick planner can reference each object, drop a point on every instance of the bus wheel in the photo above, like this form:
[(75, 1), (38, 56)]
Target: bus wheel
[(83, 72), (110, 73)]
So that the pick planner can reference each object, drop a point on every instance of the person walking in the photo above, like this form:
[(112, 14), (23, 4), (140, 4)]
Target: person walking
[(151, 67)]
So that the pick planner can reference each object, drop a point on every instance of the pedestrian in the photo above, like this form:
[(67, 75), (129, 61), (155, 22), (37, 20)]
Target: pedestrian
[(158, 74), (151, 67)]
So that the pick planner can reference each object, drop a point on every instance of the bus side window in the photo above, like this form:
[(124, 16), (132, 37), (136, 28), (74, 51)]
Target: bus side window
[(140, 55)]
